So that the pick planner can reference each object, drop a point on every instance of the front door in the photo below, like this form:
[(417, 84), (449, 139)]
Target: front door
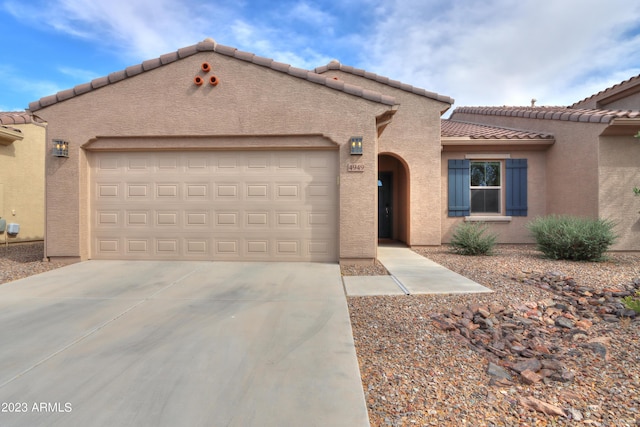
[(385, 205)]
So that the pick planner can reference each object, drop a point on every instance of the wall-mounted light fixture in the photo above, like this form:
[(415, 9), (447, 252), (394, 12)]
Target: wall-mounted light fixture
[(60, 148), (356, 145)]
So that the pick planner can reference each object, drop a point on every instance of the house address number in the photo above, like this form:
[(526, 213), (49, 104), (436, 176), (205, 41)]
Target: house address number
[(355, 167)]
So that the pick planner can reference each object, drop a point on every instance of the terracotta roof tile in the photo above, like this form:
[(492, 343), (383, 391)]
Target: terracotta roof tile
[(335, 65), (551, 113), (17, 118), (454, 128), (245, 56), (117, 76), (168, 58), (209, 45)]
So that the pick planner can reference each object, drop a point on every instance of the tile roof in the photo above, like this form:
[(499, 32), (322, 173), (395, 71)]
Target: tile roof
[(209, 45), (15, 118), (336, 65), (551, 113), (452, 129), (613, 90)]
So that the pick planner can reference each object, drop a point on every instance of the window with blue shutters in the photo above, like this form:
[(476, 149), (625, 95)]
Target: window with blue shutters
[(478, 187)]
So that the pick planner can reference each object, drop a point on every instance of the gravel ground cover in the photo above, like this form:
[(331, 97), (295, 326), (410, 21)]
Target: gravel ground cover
[(415, 373), (20, 260)]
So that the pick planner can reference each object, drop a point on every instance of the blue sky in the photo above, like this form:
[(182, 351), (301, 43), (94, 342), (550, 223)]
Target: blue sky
[(489, 52)]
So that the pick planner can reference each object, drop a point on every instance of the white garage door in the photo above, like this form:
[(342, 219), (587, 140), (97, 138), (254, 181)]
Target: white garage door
[(217, 205)]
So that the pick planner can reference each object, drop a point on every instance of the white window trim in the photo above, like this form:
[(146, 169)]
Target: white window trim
[(501, 187), (487, 156), (487, 218)]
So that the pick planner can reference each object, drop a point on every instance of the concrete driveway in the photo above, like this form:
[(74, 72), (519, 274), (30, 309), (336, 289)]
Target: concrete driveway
[(106, 343)]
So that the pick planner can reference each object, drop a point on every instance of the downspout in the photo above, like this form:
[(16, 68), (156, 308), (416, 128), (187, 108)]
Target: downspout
[(41, 122)]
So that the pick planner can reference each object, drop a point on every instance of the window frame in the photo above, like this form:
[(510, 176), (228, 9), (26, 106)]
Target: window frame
[(500, 188), (514, 187)]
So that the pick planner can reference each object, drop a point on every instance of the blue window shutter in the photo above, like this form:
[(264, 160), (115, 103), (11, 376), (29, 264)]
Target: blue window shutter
[(516, 187), (458, 187)]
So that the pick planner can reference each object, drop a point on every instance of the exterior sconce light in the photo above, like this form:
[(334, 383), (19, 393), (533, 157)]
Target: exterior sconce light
[(356, 145), (60, 148)]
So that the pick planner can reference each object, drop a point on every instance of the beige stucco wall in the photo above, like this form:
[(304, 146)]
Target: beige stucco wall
[(619, 174), (571, 163), (249, 100), (22, 183), (513, 231), (631, 102), (413, 137)]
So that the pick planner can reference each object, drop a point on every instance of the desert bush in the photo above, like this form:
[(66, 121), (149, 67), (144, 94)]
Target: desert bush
[(473, 238), (572, 238), (632, 303)]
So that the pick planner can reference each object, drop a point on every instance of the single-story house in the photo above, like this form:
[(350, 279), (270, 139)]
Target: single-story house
[(211, 153), (594, 164), (22, 160)]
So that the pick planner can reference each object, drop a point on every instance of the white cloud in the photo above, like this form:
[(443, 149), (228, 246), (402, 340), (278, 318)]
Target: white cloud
[(492, 52), (34, 89), (138, 29), (501, 51), (307, 13), (264, 42), (78, 74)]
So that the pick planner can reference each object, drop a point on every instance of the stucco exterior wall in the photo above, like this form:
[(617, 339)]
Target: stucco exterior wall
[(513, 231), (413, 137), (571, 163), (631, 102), (249, 100), (619, 174), (22, 183)]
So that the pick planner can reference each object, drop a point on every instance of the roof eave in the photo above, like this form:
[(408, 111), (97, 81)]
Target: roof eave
[(8, 136), (622, 127), (501, 143)]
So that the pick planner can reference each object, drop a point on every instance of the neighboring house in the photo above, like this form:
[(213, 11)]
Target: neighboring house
[(22, 175), (210, 153), (594, 163)]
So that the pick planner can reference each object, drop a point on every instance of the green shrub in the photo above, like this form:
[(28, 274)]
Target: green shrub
[(573, 238), (473, 238), (632, 303)]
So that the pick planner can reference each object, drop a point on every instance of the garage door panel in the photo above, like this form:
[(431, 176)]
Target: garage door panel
[(108, 190), (279, 205), (197, 191), (108, 219)]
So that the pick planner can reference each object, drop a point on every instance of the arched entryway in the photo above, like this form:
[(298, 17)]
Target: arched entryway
[(393, 198)]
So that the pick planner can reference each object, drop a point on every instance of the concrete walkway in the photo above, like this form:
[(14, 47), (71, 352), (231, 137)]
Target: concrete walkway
[(410, 273)]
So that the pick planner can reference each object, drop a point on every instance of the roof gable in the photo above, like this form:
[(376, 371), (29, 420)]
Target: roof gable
[(336, 65), (209, 45), (613, 93)]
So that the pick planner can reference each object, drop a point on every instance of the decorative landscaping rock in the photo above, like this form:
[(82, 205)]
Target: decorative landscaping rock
[(532, 338)]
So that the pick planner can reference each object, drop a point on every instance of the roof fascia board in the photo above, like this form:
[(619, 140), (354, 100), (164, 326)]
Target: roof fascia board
[(8, 136), (478, 142)]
